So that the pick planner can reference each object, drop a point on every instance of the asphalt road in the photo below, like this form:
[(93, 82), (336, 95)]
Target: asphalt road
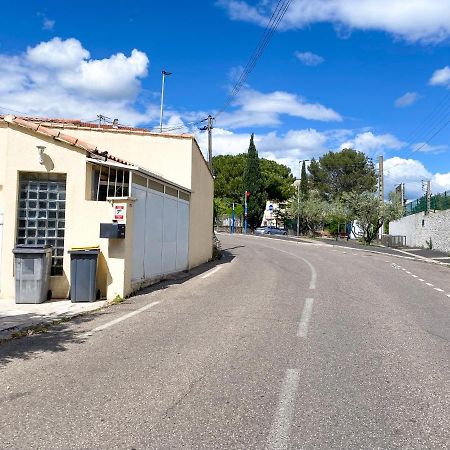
[(282, 345)]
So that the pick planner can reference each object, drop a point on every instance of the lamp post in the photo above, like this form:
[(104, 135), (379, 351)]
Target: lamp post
[(164, 74)]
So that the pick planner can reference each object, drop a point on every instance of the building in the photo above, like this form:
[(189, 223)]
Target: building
[(60, 179)]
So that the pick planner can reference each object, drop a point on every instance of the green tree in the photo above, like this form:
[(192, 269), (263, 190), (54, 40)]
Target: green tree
[(370, 213), (229, 178), (345, 171), (304, 182), (254, 184)]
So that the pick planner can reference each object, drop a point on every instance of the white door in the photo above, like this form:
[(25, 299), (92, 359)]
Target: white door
[(140, 194), (1, 242), (182, 235), (154, 234)]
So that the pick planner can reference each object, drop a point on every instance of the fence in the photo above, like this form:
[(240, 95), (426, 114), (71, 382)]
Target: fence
[(393, 240), (437, 202)]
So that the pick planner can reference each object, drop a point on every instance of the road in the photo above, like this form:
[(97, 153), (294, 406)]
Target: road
[(281, 345)]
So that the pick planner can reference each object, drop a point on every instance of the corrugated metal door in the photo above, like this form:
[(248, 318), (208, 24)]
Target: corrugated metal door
[(161, 234)]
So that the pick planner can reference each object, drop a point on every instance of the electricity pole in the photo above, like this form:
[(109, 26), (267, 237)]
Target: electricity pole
[(426, 186), (210, 127), (164, 74), (380, 179)]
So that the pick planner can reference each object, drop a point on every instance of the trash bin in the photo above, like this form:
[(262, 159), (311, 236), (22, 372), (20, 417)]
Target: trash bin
[(83, 273), (32, 265)]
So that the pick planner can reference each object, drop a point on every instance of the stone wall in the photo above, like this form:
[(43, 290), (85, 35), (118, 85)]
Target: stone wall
[(420, 228)]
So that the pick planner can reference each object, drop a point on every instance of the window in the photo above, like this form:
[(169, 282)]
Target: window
[(109, 182), (41, 213)]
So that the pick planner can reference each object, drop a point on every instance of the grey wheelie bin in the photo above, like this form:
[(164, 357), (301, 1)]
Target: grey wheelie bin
[(32, 265), (83, 274)]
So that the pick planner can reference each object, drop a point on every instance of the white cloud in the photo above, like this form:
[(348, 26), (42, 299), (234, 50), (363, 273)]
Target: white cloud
[(407, 99), (47, 24), (441, 77), (58, 78), (415, 20), (372, 144), (255, 108), (424, 147), (309, 59)]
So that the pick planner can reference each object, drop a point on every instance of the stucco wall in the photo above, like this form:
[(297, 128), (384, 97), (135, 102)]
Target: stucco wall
[(201, 210), (169, 157), (19, 153), (419, 228)]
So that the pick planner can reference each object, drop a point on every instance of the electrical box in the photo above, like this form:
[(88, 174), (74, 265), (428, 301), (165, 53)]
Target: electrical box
[(112, 230)]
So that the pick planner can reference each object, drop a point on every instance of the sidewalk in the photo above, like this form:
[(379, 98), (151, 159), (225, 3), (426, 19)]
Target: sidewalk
[(417, 253), (18, 317)]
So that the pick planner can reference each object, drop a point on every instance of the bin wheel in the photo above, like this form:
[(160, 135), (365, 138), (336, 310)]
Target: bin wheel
[(49, 294)]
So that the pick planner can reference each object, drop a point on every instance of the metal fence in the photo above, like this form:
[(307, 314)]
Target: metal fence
[(394, 241), (437, 202)]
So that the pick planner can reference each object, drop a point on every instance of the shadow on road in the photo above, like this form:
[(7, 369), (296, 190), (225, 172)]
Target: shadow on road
[(55, 337)]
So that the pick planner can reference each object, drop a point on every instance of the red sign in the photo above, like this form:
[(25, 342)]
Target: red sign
[(119, 212)]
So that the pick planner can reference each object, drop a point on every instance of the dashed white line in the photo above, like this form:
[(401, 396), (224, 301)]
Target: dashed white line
[(281, 426), (415, 276), (211, 272), (439, 290), (421, 279), (306, 316), (408, 272), (429, 284)]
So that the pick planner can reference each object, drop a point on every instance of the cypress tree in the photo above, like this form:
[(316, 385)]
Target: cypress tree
[(254, 184), (304, 182)]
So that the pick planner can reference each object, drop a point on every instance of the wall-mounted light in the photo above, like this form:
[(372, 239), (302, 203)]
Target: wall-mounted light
[(41, 149)]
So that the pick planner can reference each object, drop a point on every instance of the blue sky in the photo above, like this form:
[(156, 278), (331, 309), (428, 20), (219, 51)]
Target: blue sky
[(360, 73)]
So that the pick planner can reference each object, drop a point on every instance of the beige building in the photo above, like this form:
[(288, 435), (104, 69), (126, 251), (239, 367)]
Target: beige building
[(59, 180)]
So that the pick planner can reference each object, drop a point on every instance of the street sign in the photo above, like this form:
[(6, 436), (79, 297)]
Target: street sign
[(270, 207)]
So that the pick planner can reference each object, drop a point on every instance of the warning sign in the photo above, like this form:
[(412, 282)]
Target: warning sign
[(119, 212)]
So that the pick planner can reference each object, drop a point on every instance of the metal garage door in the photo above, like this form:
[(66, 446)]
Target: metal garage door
[(160, 234)]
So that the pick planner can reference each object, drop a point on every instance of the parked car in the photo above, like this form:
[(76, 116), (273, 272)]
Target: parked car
[(270, 230)]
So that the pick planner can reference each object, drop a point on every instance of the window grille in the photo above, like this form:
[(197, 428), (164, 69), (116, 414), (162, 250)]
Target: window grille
[(41, 213), (109, 182)]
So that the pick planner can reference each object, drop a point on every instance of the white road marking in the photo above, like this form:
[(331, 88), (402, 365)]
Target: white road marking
[(448, 295), (439, 290), (408, 272), (211, 272), (281, 426), (421, 279), (313, 282), (415, 276), (119, 319), (306, 316), (429, 284)]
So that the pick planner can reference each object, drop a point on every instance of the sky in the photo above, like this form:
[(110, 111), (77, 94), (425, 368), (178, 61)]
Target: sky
[(373, 75)]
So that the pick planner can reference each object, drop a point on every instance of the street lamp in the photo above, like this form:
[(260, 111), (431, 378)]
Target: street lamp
[(164, 74)]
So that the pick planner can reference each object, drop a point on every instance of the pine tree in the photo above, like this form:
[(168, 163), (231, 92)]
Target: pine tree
[(254, 184)]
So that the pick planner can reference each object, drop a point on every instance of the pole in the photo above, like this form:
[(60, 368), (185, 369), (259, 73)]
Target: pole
[(232, 220), (245, 213), (210, 127), (428, 196), (162, 101), (380, 179)]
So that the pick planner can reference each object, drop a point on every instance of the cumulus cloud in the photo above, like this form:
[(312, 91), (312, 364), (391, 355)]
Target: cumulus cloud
[(254, 108), (419, 20), (59, 78), (412, 172), (309, 59), (407, 99), (441, 77), (373, 144)]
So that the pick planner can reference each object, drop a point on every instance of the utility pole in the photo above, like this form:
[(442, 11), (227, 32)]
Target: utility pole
[(232, 220), (210, 127), (380, 179), (300, 163), (164, 74), (426, 186)]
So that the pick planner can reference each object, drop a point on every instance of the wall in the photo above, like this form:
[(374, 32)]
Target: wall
[(163, 155), (18, 152), (201, 210), (419, 228)]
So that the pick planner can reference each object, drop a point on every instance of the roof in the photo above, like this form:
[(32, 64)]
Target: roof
[(76, 123), (39, 129)]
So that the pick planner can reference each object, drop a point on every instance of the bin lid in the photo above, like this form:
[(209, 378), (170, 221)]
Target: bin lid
[(31, 248), (84, 251)]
